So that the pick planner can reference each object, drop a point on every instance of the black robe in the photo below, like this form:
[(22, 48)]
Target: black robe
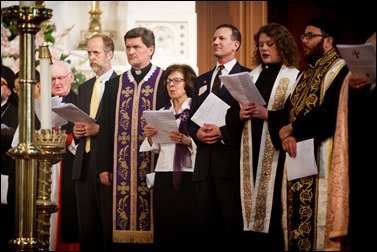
[(9, 117), (317, 120), (68, 212)]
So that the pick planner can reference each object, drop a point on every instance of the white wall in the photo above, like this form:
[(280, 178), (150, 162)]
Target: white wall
[(173, 22)]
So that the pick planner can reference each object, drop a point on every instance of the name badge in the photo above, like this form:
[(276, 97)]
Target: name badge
[(203, 88)]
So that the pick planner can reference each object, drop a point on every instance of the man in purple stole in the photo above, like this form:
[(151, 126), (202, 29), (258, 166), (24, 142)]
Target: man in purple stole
[(120, 136)]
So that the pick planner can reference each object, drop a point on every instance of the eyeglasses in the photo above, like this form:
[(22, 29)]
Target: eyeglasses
[(3, 83), (175, 81), (95, 53), (311, 35), (60, 78)]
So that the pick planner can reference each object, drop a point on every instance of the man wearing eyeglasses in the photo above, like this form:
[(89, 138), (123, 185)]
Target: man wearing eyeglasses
[(121, 135), (95, 226), (61, 82), (310, 113)]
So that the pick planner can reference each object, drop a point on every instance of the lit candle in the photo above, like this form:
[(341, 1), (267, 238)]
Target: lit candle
[(27, 3), (45, 78), (95, 5)]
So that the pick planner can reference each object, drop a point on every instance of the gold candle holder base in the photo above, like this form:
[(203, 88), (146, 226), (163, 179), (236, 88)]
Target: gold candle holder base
[(24, 244), (52, 143)]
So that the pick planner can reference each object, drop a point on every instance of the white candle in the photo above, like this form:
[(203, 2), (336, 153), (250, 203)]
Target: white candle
[(45, 76), (27, 3)]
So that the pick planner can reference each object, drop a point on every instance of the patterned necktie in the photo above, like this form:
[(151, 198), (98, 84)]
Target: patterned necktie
[(217, 81), (94, 103)]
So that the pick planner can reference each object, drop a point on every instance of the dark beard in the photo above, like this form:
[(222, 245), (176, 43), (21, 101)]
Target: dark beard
[(315, 54)]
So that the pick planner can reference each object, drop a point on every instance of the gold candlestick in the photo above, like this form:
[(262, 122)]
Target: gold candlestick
[(94, 25), (28, 19), (52, 142), (95, 5)]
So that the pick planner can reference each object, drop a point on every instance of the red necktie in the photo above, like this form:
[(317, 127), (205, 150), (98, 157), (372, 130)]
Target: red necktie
[(217, 81)]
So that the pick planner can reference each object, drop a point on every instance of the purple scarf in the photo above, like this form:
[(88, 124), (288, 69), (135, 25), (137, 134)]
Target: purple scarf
[(182, 155)]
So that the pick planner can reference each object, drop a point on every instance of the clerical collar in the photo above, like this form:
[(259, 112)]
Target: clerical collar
[(63, 99), (139, 75), (271, 66), (3, 103), (143, 71)]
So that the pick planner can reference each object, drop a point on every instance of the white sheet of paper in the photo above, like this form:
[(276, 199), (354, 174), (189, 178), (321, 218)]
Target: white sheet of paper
[(164, 121), (4, 126), (213, 110), (360, 59), (4, 189), (150, 179), (303, 164), (72, 113), (56, 120), (242, 88)]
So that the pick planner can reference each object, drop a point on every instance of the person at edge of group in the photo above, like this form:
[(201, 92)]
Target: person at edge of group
[(277, 57), (95, 226), (37, 87), (67, 235), (351, 155), (310, 113), (121, 135), (216, 171), (15, 140), (174, 223), (9, 123), (37, 97)]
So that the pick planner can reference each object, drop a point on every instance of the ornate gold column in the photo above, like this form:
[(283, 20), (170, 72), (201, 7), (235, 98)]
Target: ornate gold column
[(26, 153), (94, 25)]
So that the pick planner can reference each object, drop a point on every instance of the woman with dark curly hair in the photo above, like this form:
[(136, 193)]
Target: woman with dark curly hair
[(277, 59)]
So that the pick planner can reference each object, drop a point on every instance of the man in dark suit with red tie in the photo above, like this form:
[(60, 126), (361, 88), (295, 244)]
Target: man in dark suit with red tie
[(216, 170)]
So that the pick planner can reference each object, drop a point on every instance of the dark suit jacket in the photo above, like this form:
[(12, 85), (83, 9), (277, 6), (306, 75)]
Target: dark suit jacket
[(222, 159), (68, 224), (85, 95)]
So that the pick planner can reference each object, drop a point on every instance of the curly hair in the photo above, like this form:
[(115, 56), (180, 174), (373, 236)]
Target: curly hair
[(285, 44)]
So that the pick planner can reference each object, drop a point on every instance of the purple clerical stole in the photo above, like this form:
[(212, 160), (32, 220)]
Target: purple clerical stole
[(132, 204)]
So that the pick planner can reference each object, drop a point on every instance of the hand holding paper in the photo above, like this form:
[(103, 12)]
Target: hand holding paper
[(56, 120), (360, 59), (164, 121), (304, 163), (72, 113), (242, 88), (212, 110)]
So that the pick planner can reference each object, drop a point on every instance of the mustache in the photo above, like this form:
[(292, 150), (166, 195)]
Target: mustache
[(304, 47), (93, 64)]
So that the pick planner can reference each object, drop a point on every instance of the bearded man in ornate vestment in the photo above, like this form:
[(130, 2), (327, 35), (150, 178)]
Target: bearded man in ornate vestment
[(310, 113)]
